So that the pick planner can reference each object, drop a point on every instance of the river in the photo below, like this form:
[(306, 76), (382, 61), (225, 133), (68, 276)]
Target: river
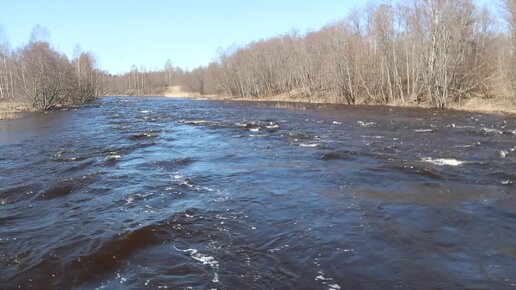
[(157, 193)]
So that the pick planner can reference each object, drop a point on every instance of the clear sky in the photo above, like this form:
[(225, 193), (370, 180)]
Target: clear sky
[(148, 32)]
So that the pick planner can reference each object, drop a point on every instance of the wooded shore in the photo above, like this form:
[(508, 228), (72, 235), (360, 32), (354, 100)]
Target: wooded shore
[(426, 53)]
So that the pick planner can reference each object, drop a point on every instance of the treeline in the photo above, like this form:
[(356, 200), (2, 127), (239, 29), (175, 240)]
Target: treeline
[(432, 51), (140, 81), (419, 51), (41, 77)]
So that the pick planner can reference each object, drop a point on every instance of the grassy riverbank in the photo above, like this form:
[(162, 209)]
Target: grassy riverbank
[(11, 110), (493, 105)]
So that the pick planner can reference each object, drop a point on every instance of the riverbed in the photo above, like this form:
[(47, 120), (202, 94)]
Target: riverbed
[(130, 192)]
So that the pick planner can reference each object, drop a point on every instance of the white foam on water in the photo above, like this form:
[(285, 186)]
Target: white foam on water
[(372, 137), (464, 127), (275, 126), (215, 278), (130, 199), (254, 129), (423, 130), (491, 130), (113, 157), (121, 279), (337, 123), (183, 181), (326, 281), (310, 145), (204, 259), (444, 161), (277, 249), (145, 111), (365, 124), (320, 277), (195, 122)]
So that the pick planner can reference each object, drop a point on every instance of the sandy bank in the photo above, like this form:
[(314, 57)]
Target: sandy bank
[(179, 92)]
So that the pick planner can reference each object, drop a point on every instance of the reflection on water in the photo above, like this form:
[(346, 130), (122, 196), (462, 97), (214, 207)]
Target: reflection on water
[(166, 193)]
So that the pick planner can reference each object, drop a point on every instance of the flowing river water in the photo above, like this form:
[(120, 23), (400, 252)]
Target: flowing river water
[(137, 193)]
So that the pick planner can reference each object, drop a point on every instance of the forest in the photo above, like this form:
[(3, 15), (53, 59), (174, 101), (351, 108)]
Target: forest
[(42, 78), (434, 52)]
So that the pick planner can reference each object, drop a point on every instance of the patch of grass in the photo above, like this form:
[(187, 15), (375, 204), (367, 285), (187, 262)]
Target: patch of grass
[(10, 110), (492, 105)]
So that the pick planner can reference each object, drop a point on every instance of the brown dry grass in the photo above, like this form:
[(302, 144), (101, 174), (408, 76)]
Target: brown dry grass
[(10, 110), (493, 105), (285, 97)]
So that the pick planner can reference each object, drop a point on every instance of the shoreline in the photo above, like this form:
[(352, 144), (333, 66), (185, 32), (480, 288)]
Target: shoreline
[(13, 110), (475, 105)]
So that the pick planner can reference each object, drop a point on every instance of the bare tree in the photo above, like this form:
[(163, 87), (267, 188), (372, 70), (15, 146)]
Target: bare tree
[(87, 79), (42, 75), (423, 51)]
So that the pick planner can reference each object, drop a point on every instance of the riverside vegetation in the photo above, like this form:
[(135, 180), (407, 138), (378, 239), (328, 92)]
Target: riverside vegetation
[(37, 77), (439, 53)]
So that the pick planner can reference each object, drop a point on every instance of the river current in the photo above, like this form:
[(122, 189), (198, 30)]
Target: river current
[(156, 193)]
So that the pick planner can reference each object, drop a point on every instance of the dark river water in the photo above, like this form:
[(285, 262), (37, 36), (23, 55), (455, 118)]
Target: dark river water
[(137, 193)]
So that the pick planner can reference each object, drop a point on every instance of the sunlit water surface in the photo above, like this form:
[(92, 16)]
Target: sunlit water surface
[(168, 193)]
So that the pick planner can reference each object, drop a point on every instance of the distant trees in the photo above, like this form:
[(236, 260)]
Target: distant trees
[(6, 69), (43, 78), (87, 86), (433, 51), (509, 59), (418, 51), (140, 81), (42, 73)]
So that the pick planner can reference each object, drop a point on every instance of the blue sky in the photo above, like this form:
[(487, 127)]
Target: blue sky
[(189, 32)]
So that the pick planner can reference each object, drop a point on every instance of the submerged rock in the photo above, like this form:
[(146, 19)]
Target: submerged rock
[(332, 156), (503, 153)]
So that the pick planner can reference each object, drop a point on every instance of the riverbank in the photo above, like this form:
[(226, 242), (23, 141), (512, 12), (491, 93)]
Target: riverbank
[(494, 105), (12, 110)]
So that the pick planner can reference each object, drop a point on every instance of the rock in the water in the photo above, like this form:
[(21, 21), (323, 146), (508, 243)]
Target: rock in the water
[(503, 153)]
